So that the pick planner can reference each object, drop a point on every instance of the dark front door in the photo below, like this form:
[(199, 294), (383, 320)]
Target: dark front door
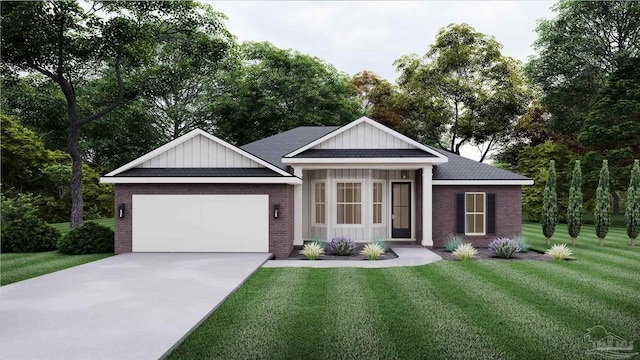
[(401, 210)]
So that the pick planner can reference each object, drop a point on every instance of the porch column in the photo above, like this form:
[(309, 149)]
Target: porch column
[(427, 206), (297, 209)]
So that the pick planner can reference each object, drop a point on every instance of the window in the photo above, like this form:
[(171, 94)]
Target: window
[(349, 203), (377, 203), (319, 203), (474, 213)]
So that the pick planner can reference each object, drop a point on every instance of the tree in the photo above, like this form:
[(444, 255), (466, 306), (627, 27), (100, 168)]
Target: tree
[(632, 213), (69, 45), (574, 210), (532, 163), (578, 49), (463, 91), (601, 215), (271, 90), (374, 95), (550, 204)]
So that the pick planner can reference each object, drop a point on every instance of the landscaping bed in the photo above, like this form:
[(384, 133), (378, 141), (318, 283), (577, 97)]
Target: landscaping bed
[(355, 255), (486, 254)]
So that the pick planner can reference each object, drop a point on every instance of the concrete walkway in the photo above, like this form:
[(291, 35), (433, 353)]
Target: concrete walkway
[(407, 256), (130, 306)]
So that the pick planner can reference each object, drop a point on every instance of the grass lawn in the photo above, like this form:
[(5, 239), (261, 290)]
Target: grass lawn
[(18, 267), (445, 310)]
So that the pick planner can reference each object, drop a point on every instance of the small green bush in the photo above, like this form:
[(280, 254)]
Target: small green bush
[(29, 234), (522, 243), (504, 247), (312, 250), (452, 243), (89, 238), (372, 251), (380, 243), (559, 252)]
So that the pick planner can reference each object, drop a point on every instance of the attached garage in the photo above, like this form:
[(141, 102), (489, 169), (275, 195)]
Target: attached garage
[(200, 223)]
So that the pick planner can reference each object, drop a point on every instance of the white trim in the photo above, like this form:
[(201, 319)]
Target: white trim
[(375, 124), (313, 203), (482, 182), (381, 160), (297, 208), (335, 202), (484, 213), (202, 180), (427, 206), (190, 135)]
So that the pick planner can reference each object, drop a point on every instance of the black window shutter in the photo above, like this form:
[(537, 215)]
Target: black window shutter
[(491, 213), (459, 213)]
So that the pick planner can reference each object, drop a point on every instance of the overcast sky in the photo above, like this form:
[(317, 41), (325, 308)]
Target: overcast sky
[(371, 35)]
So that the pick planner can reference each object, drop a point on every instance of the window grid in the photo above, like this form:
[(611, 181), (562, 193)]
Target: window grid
[(475, 213), (377, 203), (349, 203), (319, 203)]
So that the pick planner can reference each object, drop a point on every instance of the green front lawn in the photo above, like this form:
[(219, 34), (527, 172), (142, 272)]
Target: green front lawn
[(64, 227), (18, 267), (445, 310)]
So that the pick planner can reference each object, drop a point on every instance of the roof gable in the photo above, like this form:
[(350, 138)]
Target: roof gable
[(198, 149), (364, 133)]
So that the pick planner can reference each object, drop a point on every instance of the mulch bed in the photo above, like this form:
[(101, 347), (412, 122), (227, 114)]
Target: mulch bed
[(355, 255), (485, 254)]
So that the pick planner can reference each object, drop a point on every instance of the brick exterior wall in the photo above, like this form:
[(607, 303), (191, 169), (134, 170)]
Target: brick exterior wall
[(508, 213), (280, 229)]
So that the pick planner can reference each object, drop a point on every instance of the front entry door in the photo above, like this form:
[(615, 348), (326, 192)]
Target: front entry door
[(401, 210)]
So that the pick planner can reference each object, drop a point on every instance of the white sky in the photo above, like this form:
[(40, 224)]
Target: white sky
[(371, 35)]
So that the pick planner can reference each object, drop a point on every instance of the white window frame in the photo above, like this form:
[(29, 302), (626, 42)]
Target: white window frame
[(335, 202), (314, 202), (381, 203), (484, 213)]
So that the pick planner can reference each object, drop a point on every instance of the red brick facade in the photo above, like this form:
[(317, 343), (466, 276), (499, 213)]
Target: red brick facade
[(508, 213), (280, 229)]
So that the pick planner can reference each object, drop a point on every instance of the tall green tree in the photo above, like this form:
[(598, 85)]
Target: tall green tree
[(601, 214), (271, 90), (574, 210), (578, 49), (69, 45), (550, 204), (463, 91), (374, 94), (632, 213)]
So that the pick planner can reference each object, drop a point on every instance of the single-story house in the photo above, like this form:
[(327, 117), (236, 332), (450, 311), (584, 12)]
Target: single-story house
[(199, 193)]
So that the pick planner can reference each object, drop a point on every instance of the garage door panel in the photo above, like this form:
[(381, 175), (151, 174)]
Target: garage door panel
[(200, 223)]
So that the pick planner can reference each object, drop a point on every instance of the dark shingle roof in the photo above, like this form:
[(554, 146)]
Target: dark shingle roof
[(461, 168), (364, 153), (198, 172), (274, 148)]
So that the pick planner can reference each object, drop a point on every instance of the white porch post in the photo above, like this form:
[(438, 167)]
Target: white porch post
[(427, 206), (297, 209)]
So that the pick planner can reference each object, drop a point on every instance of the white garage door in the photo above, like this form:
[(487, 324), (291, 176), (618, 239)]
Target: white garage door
[(200, 223)]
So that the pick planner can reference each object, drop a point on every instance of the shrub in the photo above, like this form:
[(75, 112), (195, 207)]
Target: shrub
[(21, 206), (559, 252), (523, 244), (29, 234), (341, 245), (89, 238), (312, 250), (465, 252), (383, 245), (372, 251), (504, 247), (452, 243)]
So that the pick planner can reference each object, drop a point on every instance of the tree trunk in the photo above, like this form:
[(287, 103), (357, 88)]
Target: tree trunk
[(548, 241), (633, 242), (573, 241), (616, 203), (77, 202), (601, 241)]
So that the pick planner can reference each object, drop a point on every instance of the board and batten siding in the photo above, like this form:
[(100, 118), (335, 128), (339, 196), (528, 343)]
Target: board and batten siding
[(200, 152), (364, 136), (360, 233)]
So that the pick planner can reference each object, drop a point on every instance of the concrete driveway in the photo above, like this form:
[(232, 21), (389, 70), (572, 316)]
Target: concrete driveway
[(130, 306)]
